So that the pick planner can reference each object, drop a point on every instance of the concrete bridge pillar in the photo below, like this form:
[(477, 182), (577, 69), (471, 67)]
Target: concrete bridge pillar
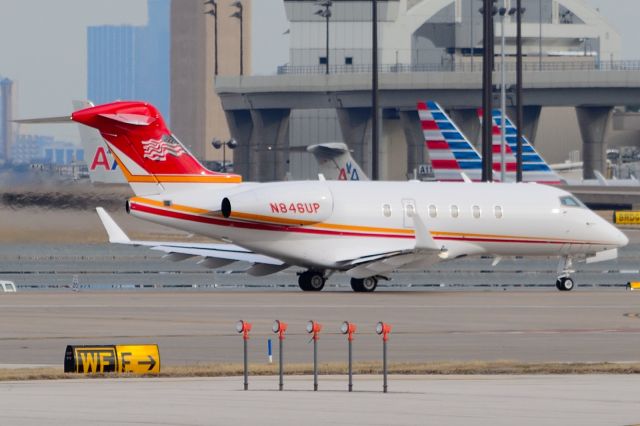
[(241, 128), (415, 140), (530, 118), (467, 120), (269, 144), (593, 123), (355, 124)]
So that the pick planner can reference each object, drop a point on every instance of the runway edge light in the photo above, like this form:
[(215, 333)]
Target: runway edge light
[(315, 328), (244, 327)]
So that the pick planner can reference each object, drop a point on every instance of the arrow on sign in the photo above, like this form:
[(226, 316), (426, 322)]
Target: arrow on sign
[(151, 363)]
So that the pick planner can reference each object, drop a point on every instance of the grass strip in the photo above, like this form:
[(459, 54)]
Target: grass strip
[(370, 367)]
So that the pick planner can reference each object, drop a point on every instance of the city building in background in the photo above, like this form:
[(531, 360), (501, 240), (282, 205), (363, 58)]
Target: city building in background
[(41, 149), (6, 117), (197, 117), (132, 62)]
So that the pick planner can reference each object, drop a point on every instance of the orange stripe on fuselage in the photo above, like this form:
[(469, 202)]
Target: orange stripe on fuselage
[(363, 229)]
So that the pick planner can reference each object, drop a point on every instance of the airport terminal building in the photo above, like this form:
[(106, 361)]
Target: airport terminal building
[(428, 49)]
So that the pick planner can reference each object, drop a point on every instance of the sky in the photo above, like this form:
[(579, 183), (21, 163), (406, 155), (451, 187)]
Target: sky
[(43, 46)]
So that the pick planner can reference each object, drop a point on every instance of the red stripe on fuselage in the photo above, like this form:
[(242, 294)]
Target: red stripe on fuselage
[(284, 228)]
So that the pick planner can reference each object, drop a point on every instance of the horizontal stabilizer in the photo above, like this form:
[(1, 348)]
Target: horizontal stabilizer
[(45, 120)]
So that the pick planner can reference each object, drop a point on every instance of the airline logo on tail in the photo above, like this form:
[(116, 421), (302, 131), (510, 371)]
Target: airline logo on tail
[(349, 172), (157, 149), (534, 168), (450, 151), (100, 160)]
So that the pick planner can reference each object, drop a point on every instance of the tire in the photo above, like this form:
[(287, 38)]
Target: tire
[(316, 281), (559, 284), (311, 281), (303, 281), (356, 285), (364, 285), (567, 284)]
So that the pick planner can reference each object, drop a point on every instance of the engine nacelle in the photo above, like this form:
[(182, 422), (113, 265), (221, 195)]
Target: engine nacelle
[(295, 203)]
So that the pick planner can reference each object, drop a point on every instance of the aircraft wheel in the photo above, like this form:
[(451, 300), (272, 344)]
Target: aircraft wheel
[(565, 284), (364, 285), (311, 281)]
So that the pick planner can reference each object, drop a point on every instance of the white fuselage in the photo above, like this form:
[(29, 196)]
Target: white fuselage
[(368, 218)]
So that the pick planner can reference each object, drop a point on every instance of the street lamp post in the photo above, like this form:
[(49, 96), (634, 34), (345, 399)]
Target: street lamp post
[(374, 91), (217, 144), (326, 13), (503, 90), (519, 11), (214, 12), (487, 10), (239, 14)]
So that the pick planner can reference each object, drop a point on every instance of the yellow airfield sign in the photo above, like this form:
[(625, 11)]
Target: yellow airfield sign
[(141, 359), (136, 359), (626, 217)]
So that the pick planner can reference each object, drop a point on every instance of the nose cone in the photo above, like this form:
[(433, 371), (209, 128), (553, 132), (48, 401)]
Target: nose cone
[(620, 239)]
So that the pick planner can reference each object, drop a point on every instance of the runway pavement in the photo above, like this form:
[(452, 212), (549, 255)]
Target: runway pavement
[(529, 326), (412, 400)]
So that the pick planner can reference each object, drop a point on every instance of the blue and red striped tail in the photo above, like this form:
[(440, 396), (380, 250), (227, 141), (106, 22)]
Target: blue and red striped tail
[(534, 168), (450, 151)]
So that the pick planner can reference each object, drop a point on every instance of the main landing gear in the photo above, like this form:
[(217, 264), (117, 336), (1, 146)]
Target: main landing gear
[(364, 285), (564, 281), (311, 280)]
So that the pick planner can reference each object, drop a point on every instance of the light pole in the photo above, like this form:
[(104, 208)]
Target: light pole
[(487, 10), (540, 38), (374, 91), (239, 14), (519, 11), (217, 144), (503, 90), (214, 12), (326, 14)]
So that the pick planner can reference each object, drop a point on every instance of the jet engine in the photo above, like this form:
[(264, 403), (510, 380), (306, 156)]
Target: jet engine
[(301, 203)]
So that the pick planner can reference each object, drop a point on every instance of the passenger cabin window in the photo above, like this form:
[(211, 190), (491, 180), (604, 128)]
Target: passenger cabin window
[(455, 212), (497, 210), (569, 201), (386, 210), (476, 212), (433, 211), (410, 210)]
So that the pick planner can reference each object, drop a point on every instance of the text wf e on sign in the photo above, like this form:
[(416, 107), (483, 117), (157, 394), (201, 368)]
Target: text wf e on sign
[(136, 359)]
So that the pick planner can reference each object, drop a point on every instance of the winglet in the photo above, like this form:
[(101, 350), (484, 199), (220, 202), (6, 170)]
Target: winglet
[(116, 234), (424, 240)]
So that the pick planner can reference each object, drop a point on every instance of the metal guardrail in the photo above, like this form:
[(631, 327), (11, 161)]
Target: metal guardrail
[(464, 67)]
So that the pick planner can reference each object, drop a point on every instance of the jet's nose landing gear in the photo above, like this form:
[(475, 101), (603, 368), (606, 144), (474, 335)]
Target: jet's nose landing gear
[(311, 280), (565, 284), (364, 285), (564, 281)]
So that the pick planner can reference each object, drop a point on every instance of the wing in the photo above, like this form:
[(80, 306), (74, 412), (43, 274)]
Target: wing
[(214, 255), (425, 252)]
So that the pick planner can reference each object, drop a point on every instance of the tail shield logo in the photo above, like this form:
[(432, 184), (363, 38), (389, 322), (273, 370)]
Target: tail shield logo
[(157, 150)]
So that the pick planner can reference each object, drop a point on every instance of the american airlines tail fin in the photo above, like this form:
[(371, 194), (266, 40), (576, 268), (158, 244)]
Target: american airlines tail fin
[(150, 157), (335, 161), (534, 168), (450, 151), (103, 168)]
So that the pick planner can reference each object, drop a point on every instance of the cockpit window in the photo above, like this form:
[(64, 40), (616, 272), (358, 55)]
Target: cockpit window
[(570, 202)]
